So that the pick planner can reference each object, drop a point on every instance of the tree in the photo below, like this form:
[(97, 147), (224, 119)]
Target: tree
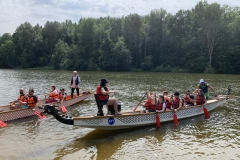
[(210, 20)]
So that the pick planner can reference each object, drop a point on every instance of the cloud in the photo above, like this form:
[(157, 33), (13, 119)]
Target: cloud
[(16, 12)]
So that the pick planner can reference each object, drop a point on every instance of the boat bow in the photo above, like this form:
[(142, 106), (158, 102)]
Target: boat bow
[(55, 112)]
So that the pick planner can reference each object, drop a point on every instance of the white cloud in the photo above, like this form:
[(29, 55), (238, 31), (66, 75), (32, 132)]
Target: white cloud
[(16, 12)]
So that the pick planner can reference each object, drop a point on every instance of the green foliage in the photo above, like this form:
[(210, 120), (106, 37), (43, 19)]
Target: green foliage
[(203, 39)]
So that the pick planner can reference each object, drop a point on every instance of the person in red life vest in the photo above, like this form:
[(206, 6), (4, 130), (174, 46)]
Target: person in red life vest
[(189, 99), (62, 95), (32, 100), (177, 102), (150, 102), (167, 100), (200, 97), (161, 105), (20, 102), (75, 83), (103, 93), (53, 95)]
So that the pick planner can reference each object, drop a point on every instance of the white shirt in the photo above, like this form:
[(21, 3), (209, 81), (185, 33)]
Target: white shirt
[(74, 80)]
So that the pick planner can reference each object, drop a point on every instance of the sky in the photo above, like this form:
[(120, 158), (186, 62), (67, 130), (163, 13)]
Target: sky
[(13, 13)]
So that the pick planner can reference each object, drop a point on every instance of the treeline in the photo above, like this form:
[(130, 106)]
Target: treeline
[(203, 39)]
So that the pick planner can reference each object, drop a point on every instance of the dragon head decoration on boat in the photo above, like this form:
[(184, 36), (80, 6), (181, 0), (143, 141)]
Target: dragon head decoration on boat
[(53, 111), (50, 109)]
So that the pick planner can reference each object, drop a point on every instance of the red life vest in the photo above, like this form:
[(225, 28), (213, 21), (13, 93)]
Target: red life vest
[(199, 100), (168, 104), (159, 106), (176, 103), (187, 100), (101, 96), (149, 105)]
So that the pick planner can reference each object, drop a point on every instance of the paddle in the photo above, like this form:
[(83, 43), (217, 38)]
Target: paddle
[(206, 113), (63, 109), (2, 124), (175, 119), (39, 114), (157, 116), (139, 102)]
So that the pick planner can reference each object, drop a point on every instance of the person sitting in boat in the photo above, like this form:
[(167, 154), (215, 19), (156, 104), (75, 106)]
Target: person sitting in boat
[(62, 95), (150, 104), (204, 87), (177, 102), (20, 102), (103, 95), (167, 100), (53, 95), (188, 99), (161, 105), (32, 100), (200, 97)]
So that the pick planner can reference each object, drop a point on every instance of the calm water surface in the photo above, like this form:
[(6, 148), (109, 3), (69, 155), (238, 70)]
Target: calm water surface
[(195, 138)]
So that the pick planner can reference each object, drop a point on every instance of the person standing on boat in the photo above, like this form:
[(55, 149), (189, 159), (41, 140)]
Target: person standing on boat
[(177, 102), (188, 99), (20, 102), (75, 83), (32, 100), (204, 87), (103, 95)]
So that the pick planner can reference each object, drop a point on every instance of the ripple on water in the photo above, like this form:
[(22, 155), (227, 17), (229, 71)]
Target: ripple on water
[(194, 138)]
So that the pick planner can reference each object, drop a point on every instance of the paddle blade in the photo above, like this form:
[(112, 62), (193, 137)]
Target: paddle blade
[(2, 124), (39, 114), (206, 113), (63, 109), (158, 121), (175, 119)]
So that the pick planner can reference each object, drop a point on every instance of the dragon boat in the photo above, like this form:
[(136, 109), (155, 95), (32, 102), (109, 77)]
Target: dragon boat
[(8, 114), (133, 119)]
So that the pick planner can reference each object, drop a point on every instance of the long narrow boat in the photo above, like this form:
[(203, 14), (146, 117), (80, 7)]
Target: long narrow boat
[(6, 114), (132, 119)]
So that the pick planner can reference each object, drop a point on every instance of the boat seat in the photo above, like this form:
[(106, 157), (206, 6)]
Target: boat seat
[(99, 105)]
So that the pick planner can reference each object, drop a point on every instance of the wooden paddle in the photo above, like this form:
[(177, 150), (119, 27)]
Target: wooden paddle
[(157, 116), (139, 102), (2, 124)]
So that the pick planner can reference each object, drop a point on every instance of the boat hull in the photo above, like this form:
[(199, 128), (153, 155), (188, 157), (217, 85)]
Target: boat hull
[(137, 119), (6, 114)]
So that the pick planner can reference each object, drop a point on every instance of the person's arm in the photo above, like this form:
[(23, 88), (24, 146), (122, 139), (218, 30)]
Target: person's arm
[(211, 88), (163, 106), (106, 92)]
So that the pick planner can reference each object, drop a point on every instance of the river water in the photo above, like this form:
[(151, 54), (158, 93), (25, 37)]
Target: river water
[(195, 138)]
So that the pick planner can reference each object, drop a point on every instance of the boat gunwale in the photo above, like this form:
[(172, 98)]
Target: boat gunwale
[(130, 113)]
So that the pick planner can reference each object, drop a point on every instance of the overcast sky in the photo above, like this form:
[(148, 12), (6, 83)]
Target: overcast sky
[(16, 12)]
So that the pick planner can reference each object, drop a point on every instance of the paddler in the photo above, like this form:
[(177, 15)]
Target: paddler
[(20, 102)]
